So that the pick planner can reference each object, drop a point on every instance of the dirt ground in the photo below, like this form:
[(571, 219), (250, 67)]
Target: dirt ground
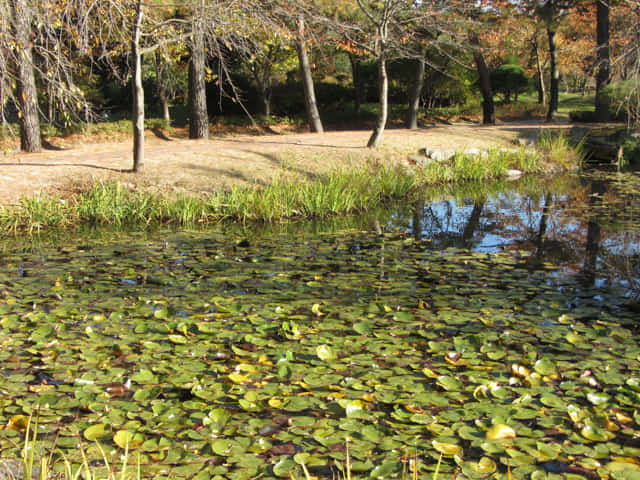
[(195, 167)]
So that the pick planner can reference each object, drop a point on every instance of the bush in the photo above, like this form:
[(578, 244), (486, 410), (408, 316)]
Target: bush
[(625, 100), (509, 79)]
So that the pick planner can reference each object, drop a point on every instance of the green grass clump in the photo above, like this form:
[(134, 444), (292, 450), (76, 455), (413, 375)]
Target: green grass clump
[(558, 149), (338, 192), (466, 168), (112, 203)]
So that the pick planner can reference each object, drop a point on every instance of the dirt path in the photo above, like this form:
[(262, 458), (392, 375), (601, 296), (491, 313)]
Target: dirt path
[(195, 167)]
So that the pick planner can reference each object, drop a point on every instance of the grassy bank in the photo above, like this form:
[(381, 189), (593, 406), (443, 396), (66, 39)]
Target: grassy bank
[(336, 192)]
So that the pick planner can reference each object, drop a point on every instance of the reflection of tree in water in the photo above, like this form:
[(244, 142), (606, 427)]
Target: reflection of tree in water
[(571, 229), (592, 247)]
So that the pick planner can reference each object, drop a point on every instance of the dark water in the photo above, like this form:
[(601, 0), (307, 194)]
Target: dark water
[(495, 325)]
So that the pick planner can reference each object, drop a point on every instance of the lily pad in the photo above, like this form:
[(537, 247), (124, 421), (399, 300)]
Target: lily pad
[(500, 432), (325, 353), (445, 448), (128, 439), (97, 432)]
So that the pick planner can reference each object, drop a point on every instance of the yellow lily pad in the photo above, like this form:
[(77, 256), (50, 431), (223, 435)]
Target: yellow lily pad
[(500, 431), (447, 449)]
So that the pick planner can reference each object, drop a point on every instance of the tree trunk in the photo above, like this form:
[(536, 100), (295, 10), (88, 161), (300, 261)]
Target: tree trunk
[(307, 80), (266, 106), (162, 92), (416, 92), (138, 94), (25, 78), (555, 75), (264, 91), (542, 91), (198, 116), (383, 101), (357, 82), (3, 118), (488, 108), (603, 73)]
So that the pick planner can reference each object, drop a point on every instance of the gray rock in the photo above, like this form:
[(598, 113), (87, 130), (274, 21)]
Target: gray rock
[(442, 155), (473, 151)]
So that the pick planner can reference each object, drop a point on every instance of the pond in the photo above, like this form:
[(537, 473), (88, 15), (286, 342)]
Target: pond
[(490, 331)]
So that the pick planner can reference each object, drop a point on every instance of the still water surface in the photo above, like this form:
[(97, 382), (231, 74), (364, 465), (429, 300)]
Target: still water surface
[(495, 325)]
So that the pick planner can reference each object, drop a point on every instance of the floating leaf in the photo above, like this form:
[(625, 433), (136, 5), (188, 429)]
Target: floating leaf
[(450, 384), (179, 339), (132, 439), (576, 413), (353, 407), (448, 449), (18, 423), (144, 377), (486, 466), (325, 353), (284, 468), (226, 447), (363, 328), (595, 433), (96, 432), (597, 398), (500, 432), (239, 378), (545, 367)]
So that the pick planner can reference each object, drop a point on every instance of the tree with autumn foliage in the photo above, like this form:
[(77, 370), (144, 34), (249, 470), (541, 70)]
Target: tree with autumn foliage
[(40, 43), (387, 30), (625, 91), (298, 18)]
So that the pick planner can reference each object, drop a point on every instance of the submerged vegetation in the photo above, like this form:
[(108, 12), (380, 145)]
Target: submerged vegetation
[(337, 192)]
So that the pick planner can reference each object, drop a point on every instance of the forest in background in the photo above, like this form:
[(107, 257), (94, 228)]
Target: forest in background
[(69, 63)]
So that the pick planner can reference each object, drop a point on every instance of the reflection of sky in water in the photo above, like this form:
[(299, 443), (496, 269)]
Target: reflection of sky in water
[(624, 244), (492, 243), (514, 221), (512, 217)]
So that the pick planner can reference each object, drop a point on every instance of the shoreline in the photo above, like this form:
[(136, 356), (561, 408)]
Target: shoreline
[(203, 166)]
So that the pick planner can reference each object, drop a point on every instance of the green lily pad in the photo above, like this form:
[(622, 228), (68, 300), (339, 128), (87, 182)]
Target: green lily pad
[(144, 377), (284, 468), (546, 367), (595, 433), (445, 448), (325, 353), (128, 439), (226, 447), (598, 398), (97, 432), (450, 384)]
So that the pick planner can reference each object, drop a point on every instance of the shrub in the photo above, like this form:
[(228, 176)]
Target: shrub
[(509, 79), (625, 100)]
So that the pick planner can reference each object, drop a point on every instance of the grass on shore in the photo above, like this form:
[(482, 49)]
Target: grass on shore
[(338, 192)]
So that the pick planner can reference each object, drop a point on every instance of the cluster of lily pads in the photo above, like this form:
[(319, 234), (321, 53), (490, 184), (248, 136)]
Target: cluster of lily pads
[(213, 357)]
